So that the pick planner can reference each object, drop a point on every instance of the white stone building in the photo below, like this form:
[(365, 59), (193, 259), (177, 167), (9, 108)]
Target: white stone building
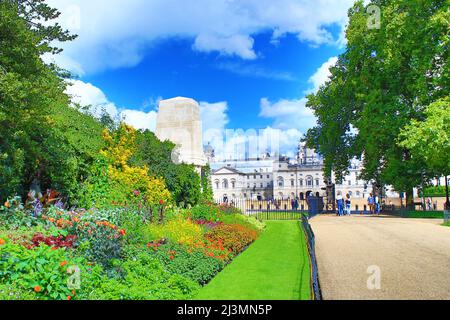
[(283, 178)]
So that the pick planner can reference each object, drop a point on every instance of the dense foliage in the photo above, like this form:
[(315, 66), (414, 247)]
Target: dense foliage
[(112, 254), (385, 82), (49, 143)]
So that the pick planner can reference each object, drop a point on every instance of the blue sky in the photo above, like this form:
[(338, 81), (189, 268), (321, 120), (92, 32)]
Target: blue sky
[(249, 63)]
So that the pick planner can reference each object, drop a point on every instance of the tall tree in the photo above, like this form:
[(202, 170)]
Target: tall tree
[(45, 143), (386, 77)]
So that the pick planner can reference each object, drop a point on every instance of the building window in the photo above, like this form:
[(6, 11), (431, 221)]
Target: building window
[(268, 177), (262, 185), (217, 183), (233, 184), (225, 184), (292, 183), (262, 177), (280, 182), (309, 181), (317, 182), (349, 182), (300, 182)]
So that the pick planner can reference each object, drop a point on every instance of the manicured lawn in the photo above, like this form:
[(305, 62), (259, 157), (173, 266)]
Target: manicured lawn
[(424, 214), (275, 267)]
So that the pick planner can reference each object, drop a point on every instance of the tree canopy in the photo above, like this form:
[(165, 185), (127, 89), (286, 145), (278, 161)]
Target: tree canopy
[(385, 79)]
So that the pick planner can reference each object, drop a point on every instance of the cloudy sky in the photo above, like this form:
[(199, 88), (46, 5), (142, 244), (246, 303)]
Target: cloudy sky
[(250, 63)]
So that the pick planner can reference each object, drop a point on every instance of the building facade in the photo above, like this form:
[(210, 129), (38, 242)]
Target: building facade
[(284, 178)]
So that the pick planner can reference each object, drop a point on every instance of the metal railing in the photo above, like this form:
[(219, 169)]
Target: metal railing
[(277, 209), (311, 243)]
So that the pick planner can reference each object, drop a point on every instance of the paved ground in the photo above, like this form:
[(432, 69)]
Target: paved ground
[(413, 256)]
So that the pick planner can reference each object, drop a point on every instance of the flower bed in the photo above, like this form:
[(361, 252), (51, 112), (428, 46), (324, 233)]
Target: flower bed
[(118, 253)]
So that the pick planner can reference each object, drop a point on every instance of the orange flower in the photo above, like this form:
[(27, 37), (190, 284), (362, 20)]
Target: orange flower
[(54, 248), (2, 242), (37, 289), (122, 232), (69, 298), (62, 264), (7, 204), (51, 220)]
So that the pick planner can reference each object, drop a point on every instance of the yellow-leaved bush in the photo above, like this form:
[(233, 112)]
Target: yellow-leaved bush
[(125, 179), (178, 230)]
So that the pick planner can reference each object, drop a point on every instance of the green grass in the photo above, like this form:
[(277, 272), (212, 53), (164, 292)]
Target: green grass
[(275, 267), (424, 214), (446, 224)]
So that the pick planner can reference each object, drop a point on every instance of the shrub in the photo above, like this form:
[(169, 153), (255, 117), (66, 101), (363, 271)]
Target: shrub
[(209, 212), (246, 221), (13, 215), (52, 241), (228, 209), (42, 270), (233, 236), (99, 240), (191, 263), (145, 279), (13, 292), (178, 230)]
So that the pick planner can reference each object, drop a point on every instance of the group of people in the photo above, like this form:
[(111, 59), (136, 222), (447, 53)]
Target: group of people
[(344, 205)]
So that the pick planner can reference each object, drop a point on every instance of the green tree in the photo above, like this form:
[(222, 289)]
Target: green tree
[(45, 143), (384, 79), (207, 190), (182, 180)]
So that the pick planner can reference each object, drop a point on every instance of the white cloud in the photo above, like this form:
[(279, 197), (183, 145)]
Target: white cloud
[(86, 94), (140, 119), (115, 34), (322, 75), (288, 114), (293, 114), (239, 45)]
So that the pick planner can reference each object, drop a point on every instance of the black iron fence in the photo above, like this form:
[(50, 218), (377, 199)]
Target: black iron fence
[(277, 209), (314, 281)]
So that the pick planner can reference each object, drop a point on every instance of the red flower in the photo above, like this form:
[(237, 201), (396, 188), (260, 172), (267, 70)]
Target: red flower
[(37, 289), (172, 257), (62, 264), (2, 242), (161, 202), (136, 193), (69, 298), (122, 232)]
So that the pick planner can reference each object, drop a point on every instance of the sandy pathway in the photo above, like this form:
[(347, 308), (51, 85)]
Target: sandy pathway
[(413, 257)]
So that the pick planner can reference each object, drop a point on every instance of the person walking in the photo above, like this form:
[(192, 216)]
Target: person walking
[(340, 204), (348, 204), (378, 204), (429, 204)]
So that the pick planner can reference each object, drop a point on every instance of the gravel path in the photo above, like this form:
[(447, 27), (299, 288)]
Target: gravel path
[(413, 256)]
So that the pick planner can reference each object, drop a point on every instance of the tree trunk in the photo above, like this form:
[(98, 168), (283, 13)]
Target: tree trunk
[(410, 199)]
